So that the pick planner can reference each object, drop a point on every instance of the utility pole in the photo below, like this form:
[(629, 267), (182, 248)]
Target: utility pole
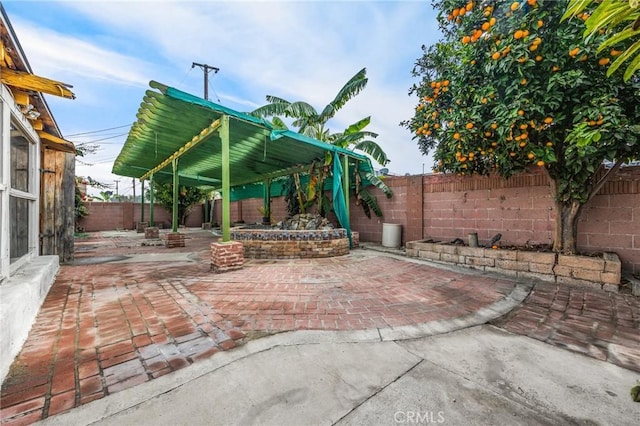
[(134, 189), (116, 181), (207, 69)]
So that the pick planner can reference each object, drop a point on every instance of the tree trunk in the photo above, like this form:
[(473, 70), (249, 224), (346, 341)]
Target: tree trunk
[(566, 230)]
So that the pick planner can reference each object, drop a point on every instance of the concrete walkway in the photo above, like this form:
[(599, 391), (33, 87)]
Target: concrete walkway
[(124, 316), (481, 375)]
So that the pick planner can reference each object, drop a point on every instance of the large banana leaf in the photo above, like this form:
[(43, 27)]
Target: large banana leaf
[(348, 91), (374, 150)]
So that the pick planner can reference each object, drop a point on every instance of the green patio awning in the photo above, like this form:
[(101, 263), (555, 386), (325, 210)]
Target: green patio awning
[(172, 124)]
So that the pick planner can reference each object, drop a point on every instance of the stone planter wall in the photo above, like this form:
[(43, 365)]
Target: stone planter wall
[(600, 272), (292, 244)]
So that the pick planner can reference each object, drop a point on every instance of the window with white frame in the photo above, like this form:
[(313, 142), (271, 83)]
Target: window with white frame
[(22, 196)]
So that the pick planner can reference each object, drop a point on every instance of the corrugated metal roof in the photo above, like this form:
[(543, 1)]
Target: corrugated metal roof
[(172, 122)]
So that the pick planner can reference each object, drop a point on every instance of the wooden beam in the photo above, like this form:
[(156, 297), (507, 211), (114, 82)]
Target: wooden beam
[(24, 80), (56, 143), (204, 134), (5, 58), (21, 98)]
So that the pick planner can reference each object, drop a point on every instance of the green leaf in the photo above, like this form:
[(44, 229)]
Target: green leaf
[(370, 201), (358, 126), (374, 150), (623, 57), (377, 182)]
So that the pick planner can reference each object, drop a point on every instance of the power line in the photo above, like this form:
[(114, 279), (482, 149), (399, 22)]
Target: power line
[(102, 139), (98, 131)]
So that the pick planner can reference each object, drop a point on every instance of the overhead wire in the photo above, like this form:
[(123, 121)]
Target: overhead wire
[(98, 131)]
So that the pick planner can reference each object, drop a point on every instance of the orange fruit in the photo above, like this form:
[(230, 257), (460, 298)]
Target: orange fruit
[(533, 47), (494, 144), (523, 144), (492, 21), (583, 58), (531, 156), (540, 24), (523, 126), (548, 120), (469, 6), (574, 52), (531, 2), (615, 52), (540, 163), (538, 58), (549, 144), (520, 112), (483, 100), (466, 39), (495, 56), (537, 40), (456, 136), (512, 154), (514, 5), (471, 155), (487, 134), (555, 68), (494, 126), (469, 126), (518, 34), (604, 61), (445, 83), (486, 26), (523, 81), (462, 11), (526, 33)]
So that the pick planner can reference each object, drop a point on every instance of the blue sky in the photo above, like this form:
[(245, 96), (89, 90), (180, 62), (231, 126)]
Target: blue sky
[(297, 50)]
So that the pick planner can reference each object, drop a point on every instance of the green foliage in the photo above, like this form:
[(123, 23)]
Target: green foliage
[(291, 196), (314, 124), (80, 209), (620, 21), (187, 198), (511, 87)]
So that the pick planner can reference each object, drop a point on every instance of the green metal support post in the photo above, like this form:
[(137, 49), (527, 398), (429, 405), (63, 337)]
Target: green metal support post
[(141, 201), (151, 201), (176, 193), (226, 185), (266, 202), (345, 182), (206, 207)]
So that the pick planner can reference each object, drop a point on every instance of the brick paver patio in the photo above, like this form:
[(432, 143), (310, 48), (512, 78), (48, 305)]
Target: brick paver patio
[(110, 326), (595, 323)]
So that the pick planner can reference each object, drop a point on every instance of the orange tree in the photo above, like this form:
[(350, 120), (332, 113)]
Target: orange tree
[(510, 86)]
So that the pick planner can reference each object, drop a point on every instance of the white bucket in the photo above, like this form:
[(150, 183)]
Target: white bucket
[(391, 235)]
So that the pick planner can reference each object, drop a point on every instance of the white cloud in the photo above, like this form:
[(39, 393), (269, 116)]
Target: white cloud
[(52, 53), (294, 49)]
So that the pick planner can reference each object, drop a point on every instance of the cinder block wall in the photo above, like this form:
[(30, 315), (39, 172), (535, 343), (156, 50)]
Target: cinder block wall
[(444, 207), (110, 216), (520, 208)]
